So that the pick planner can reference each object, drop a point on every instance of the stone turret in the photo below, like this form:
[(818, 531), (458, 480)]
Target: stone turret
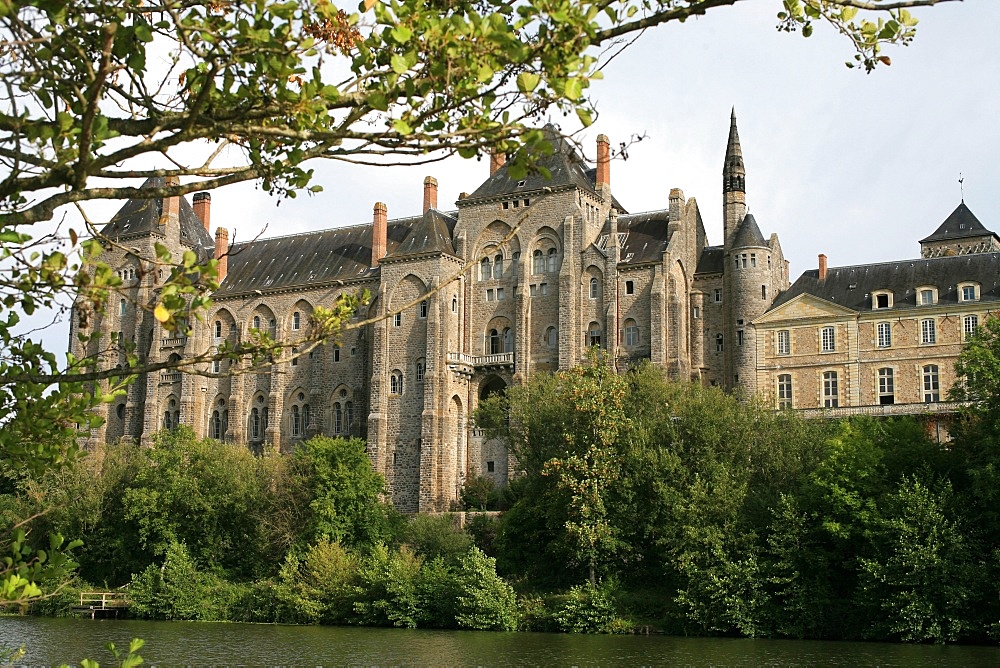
[(749, 271)]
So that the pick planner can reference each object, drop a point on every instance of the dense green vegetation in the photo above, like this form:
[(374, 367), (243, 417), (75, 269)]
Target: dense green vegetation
[(643, 503)]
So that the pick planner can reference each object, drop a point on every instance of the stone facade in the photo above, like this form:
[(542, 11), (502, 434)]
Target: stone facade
[(522, 278)]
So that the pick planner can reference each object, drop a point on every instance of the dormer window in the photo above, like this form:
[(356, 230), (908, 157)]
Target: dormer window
[(882, 299), (968, 292), (926, 296)]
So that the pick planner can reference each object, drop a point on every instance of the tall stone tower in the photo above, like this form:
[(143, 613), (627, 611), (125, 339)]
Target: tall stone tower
[(734, 174)]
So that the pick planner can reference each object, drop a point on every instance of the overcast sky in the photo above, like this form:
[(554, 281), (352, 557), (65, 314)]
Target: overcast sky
[(856, 166)]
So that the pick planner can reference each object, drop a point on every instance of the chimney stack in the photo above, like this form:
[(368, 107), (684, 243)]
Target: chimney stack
[(497, 160), (378, 233), (171, 205), (430, 193), (222, 251), (822, 267), (603, 162), (202, 203)]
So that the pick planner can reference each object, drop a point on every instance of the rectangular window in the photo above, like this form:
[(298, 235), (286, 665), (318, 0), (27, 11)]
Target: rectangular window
[(784, 345), (882, 301), (630, 287), (970, 324), (785, 390), (397, 320), (829, 341), (886, 387), (926, 297), (718, 295), (336, 353), (739, 337), (743, 259), (884, 334), (932, 385), (632, 335), (968, 293), (217, 366), (831, 394), (534, 290), (753, 259), (489, 295), (718, 343), (499, 294), (423, 309), (122, 307), (696, 312), (544, 288), (927, 331)]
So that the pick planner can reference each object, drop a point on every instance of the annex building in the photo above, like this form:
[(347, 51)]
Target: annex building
[(520, 277)]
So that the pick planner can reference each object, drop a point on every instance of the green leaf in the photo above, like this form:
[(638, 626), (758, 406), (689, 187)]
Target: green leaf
[(527, 81), (398, 64)]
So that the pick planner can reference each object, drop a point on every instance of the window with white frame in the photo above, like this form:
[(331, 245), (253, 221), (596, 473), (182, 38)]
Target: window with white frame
[(594, 334), (968, 292), (420, 371), (881, 300), (538, 262), (785, 390), (928, 332), (396, 382), (397, 320), (883, 334), (486, 272), (296, 320), (970, 324), (218, 329), (926, 296), (828, 339), (594, 288), (886, 386), (256, 322), (932, 384), (718, 295), (831, 393), (695, 312), (783, 345), (423, 309)]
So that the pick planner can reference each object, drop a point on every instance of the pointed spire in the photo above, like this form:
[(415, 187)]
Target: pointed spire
[(733, 172)]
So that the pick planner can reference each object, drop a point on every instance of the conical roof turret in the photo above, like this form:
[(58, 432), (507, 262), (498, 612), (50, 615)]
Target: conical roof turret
[(733, 172)]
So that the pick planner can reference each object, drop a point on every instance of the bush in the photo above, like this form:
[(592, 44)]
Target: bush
[(178, 591), (386, 591), (433, 536), (483, 530), (485, 601), (590, 609)]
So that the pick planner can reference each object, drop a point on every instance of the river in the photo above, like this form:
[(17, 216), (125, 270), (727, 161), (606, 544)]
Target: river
[(52, 641)]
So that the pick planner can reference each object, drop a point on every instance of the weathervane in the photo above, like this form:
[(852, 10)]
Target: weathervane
[(961, 187)]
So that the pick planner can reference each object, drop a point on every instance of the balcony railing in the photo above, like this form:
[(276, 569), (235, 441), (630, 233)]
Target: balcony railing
[(940, 407), (170, 376), (481, 361), (173, 342)]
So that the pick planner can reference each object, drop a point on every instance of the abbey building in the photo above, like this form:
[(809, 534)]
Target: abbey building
[(520, 277)]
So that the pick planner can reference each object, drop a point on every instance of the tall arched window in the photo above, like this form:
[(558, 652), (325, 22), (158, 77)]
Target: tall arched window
[(551, 337), (296, 320), (553, 260), (594, 334), (396, 382), (594, 288), (508, 340), (494, 343), (306, 419), (631, 333), (498, 266), (296, 421), (338, 417), (538, 262), (256, 322), (486, 272), (254, 424), (349, 416), (218, 329), (216, 425)]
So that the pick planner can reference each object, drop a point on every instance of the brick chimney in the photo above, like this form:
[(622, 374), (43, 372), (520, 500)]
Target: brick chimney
[(171, 205), (603, 162), (430, 193), (202, 203), (822, 267), (378, 233), (222, 251), (497, 160)]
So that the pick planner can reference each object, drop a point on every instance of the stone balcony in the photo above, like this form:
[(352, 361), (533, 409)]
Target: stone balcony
[(170, 376), (468, 364), (173, 342), (935, 408)]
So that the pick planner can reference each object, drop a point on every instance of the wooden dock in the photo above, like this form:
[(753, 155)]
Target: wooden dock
[(101, 603)]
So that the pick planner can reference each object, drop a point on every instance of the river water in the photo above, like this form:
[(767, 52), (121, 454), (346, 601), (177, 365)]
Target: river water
[(53, 641)]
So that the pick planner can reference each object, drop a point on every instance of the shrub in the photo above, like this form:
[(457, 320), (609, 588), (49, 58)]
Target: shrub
[(590, 609), (485, 601), (433, 536), (386, 591)]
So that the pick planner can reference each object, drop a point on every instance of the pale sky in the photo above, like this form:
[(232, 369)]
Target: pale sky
[(856, 166)]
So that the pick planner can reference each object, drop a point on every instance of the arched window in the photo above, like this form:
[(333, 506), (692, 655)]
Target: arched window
[(553, 259), (216, 425), (423, 309), (594, 288), (296, 421), (122, 307), (454, 304), (256, 322), (631, 333), (306, 418), (296, 320), (349, 410), (420, 371), (338, 417), (498, 266), (218, 329), (594, 334), (551, 337), (494, 343), (538, 262), (508, 340), (486, 271), (396, 382), (514, 258)]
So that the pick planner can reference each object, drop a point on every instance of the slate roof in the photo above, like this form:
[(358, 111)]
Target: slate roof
[(142, 216), (566, 166), (712, 260), (326, 256), (748, 234), (647, 236), (961, 224), (851, 287)]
